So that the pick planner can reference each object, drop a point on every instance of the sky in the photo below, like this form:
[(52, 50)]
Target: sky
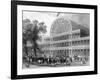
[(49, 17)]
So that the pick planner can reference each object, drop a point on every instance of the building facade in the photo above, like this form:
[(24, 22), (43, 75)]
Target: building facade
[(67, 38)]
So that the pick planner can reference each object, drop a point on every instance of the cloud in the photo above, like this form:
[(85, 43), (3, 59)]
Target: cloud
[(80, 18), (83, 19)]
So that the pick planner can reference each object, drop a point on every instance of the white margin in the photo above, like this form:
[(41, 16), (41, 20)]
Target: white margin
[(21, 71)]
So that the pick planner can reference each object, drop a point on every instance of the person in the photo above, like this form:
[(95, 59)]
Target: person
[(28, 62)]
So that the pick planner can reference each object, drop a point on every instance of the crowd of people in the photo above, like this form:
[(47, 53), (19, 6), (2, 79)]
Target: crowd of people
[(56, 61)]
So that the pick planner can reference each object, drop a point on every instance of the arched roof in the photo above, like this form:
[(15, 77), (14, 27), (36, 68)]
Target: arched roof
[(63, 24), (60, 25)]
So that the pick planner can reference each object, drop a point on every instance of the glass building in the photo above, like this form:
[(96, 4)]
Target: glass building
[(67, 38)]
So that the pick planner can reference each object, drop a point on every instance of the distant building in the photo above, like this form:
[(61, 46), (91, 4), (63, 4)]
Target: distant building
[(67, 38)]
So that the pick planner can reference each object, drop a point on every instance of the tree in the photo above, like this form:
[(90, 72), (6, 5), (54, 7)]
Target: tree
[(25, 26), (31, 31)]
